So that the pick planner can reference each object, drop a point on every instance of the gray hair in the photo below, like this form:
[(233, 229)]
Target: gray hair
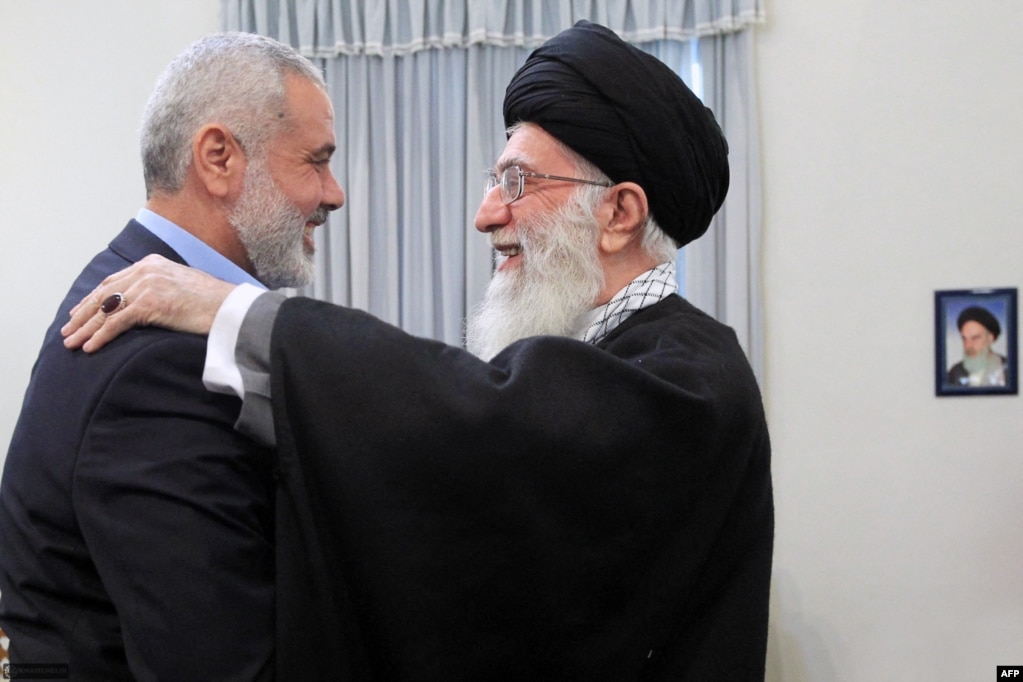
[(656, 242), (235, 79)]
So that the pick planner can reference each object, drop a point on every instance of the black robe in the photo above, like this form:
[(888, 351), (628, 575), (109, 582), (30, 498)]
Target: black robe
[(564, 512)]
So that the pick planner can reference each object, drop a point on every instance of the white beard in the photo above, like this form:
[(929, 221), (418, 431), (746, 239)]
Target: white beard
[(558, 280), (271, 229)]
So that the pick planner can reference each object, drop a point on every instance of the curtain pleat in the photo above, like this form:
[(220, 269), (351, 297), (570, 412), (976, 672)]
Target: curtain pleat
[(417, 127), (329, 28), (723, 269)]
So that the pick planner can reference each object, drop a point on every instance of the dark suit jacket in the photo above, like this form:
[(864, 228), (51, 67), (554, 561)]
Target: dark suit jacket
[(135, 524)]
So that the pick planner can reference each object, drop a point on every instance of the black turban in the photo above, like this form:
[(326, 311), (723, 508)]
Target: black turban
[(982, 317), (627, 113)]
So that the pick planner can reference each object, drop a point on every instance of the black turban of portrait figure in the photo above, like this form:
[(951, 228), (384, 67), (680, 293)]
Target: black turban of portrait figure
[(627, 113), (981, 316)]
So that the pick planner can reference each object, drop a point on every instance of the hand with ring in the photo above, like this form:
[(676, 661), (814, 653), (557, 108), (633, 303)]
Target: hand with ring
[(153, 292)]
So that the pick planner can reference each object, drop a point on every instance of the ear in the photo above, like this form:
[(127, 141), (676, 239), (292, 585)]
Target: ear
[(218, 160), (626, 211)]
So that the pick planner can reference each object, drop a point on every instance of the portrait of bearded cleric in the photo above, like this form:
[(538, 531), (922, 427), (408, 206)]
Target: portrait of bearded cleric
[(976, 341)]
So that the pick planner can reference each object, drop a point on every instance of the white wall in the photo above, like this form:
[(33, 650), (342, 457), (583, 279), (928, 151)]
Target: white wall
[(893, 154), (74, 77)]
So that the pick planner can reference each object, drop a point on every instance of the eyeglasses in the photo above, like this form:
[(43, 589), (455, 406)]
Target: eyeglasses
[(513, 180)]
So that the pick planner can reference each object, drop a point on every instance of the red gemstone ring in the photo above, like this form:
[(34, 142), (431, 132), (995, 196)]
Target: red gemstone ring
[(112, 303)]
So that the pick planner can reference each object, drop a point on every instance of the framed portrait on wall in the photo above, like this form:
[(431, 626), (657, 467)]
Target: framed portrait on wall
[(975, 342)]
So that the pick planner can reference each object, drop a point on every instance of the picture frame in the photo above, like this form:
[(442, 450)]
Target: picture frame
[(975, 342)]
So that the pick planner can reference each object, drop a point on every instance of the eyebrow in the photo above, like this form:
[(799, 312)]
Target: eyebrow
[(512, 161), (326, 149)]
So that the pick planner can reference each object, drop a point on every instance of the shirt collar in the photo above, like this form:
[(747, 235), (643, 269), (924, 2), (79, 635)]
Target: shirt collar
[(194, 251), (650, 287)]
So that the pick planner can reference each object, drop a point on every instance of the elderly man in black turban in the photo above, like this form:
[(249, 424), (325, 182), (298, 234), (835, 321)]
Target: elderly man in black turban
[(980, 366), (586, 495)]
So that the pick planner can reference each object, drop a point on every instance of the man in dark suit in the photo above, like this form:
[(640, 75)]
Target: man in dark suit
[(136, 524)]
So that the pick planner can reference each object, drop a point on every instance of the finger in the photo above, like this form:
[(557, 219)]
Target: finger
[(100, 329), (93, 320), (81, 329), (112, 327), (84, 312)]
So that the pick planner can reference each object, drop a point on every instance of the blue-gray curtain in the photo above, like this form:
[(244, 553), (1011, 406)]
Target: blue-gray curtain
[(417, 87)]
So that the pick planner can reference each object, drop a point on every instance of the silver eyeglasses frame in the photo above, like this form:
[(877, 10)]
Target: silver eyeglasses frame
[(512, 182)]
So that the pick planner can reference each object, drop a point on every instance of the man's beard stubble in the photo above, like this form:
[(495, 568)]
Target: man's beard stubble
[(271, 229), (558, 280)]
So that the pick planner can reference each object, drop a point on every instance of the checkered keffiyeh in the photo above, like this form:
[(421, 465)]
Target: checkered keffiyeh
[(649, 288)]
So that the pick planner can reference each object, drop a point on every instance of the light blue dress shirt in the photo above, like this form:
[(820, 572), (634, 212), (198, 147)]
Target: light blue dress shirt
[(195, 252)]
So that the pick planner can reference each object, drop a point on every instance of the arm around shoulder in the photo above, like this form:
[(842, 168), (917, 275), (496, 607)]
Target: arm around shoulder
[(238, 357)]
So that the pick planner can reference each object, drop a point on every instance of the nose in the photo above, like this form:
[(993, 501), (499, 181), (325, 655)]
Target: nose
[(333, 195), (492, 213)]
